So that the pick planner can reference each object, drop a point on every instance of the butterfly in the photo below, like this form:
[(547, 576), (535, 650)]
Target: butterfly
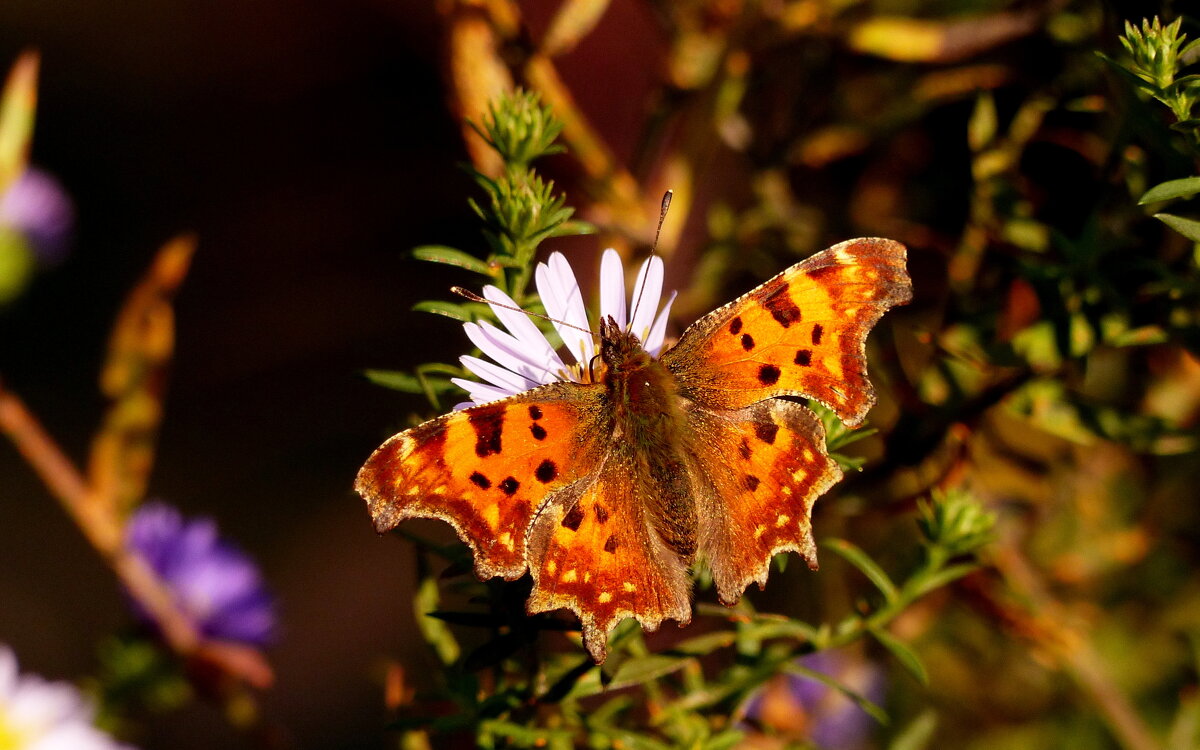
[(607, 492)]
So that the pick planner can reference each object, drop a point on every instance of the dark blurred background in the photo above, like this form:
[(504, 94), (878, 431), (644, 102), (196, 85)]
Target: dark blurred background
[(308, 145)]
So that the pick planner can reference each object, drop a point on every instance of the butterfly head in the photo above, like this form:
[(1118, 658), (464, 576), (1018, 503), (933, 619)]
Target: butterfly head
[(620, 350)]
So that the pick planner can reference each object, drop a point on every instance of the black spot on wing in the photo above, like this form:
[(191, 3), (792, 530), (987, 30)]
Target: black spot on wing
[(766, 432), (510, 486), (735, 326), (535, 412), (488, 423), (539, 432), (611, 545), (768, 374), (480, 481), (803, 357), (744, 448), (573, 518), (781, 307), (818, 331), (601, 514), (752, 482), (546, 471), (747, 341)]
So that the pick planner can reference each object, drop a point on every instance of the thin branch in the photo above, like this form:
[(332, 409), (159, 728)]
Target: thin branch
[(98, 523)]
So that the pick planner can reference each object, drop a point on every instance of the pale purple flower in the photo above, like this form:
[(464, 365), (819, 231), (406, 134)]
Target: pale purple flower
[(807, 709), (36, 714), (522, 356), (215, 584), (36, 206)]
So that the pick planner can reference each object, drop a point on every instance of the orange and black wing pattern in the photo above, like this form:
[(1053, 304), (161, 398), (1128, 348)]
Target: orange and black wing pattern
[(802, 333), (486, 470), (761, 469), (592, 550)]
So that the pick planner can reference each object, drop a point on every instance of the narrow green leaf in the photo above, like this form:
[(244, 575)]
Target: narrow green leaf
[(1171, 189), (637, 670), (635, 741), (434, 631), (868, 567), (862, 701), (394, 379), (572, 228), (726, 740), (1189, 228), (905, 655), (945, 576), (448, 309), (917, 734), (705, 644), (452, 257)]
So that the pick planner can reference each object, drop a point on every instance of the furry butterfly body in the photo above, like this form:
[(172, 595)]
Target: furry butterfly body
[(607, 492)]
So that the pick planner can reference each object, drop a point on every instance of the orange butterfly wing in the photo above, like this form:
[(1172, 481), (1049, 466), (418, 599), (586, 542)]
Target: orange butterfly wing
[(593, 551), (802, 333), (765, 466), (487, 470)]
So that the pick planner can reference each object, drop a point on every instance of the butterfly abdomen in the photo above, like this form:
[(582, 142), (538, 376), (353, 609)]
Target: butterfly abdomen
[(649, 420)]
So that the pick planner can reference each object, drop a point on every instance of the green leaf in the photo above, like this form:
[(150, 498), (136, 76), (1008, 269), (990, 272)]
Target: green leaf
[(638, 670), (452, 257), (705, 644), (868, 567), (394, 379), (448, 309), (1189, 228), (917, 734), (573, 228), (434, 631), (726, 740), (634, 740), (945, 576), (862, 701), (906, 656), (1171, 189)]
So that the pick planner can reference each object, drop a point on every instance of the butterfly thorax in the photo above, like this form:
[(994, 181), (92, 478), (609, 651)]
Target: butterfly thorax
[(649, 425)]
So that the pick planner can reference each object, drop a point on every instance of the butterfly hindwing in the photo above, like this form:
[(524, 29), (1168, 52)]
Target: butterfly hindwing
[(801, 333), (487, 469), (593, 550), (762, 468)]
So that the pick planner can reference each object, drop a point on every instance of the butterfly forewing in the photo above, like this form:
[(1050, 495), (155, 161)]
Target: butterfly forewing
[(801, 333), (487, 470), (759, 471)]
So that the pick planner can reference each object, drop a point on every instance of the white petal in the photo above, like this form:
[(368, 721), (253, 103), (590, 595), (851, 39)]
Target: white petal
[(658, 332), (560, 294), (612, 287), (509, 352), (481, 393), (533, 343), (8, 673), (464, 405), (496, 375), (645, 298)]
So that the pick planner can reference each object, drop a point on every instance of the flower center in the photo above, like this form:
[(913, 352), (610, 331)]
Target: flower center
[(10, 737)]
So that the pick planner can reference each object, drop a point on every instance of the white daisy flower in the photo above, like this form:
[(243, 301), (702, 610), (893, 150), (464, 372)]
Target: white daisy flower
[(523, 358), (39, 715)]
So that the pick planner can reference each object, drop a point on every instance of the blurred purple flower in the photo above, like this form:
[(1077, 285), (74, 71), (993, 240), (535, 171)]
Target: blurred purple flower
[(39, 715), (215, 583), (804, 708), (37, 207)]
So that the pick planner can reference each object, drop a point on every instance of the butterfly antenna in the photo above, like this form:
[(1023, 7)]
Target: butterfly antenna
[(662, 217), (476, 298)]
